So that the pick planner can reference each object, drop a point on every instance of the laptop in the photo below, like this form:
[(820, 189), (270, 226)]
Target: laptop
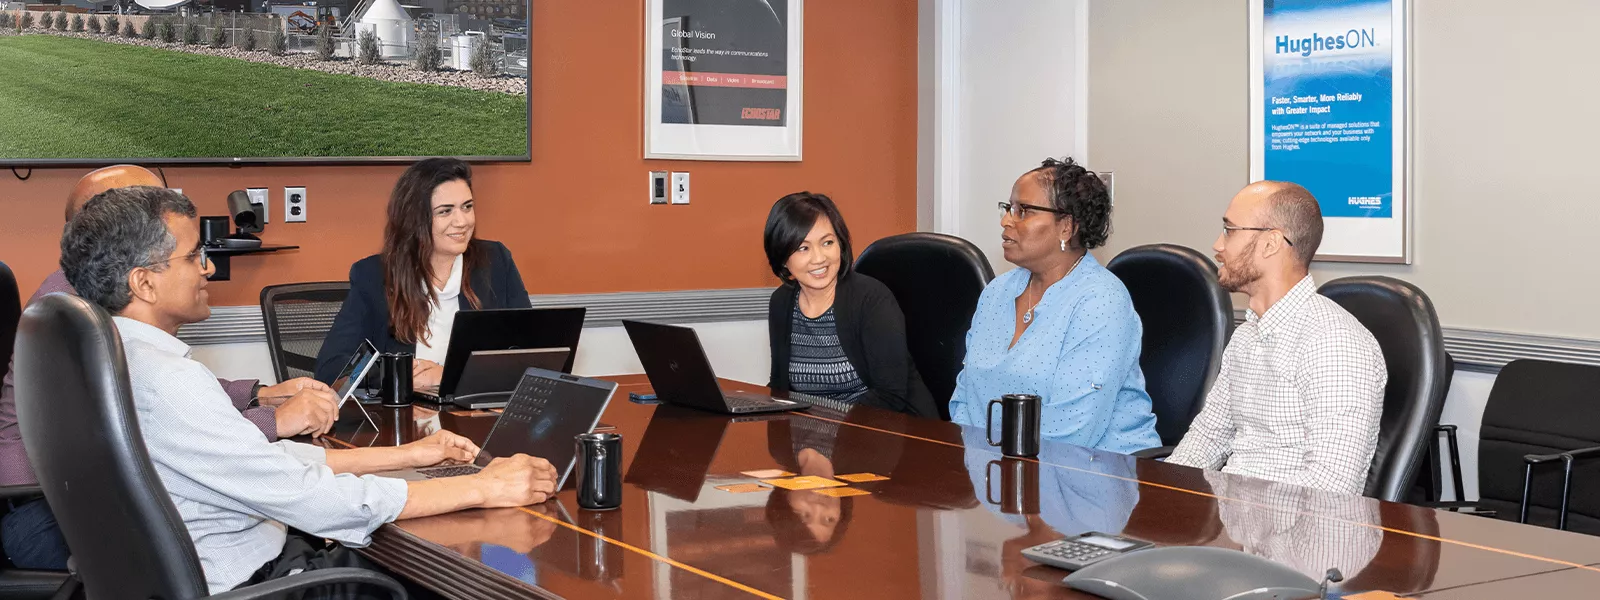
[(541, 419), (678, 369), (490, 376), (507, 329)]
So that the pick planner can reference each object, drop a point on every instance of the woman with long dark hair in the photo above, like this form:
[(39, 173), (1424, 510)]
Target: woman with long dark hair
[(432, 266)]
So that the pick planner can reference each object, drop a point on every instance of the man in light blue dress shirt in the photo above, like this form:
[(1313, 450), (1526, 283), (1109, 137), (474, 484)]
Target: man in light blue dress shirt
[(1060, 326), (136, 252)]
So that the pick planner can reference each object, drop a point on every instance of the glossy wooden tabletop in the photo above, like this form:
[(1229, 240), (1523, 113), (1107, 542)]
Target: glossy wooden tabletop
[(949, 521)]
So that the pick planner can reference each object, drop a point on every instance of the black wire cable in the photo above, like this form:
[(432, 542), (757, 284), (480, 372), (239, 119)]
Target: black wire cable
[(19, 176)]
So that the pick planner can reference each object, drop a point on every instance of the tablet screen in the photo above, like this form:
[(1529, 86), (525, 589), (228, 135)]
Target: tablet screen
[(355, 370)]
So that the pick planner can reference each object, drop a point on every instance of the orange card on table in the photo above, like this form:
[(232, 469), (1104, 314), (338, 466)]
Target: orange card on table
[(766, 473), (1374, 595), (861, 477), (807, 482), (842, 492), (742, 488)]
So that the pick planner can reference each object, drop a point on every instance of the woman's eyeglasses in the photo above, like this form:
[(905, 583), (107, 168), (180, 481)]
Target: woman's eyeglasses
[(1020, 211)]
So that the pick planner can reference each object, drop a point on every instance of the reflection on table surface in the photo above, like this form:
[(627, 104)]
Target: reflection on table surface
[(949, 521)]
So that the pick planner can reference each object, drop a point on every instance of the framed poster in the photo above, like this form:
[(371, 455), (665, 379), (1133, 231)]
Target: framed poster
[(722, 79), (1328, 110)]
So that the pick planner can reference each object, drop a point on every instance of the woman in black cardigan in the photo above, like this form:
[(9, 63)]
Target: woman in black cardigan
[(834, 333), (432, 266)]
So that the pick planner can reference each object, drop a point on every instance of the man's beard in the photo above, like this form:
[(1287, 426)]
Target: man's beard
[(1237, 276)]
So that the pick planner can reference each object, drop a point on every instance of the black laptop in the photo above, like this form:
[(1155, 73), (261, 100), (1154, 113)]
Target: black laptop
[(548, 409), (507, 329), (680, 373)]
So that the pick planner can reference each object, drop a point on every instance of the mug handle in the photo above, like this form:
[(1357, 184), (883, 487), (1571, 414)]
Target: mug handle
[(988, 423), (986, 495)]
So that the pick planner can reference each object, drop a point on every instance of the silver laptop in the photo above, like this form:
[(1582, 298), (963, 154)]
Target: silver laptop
[(541, 419)]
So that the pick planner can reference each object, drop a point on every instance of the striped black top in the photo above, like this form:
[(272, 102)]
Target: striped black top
[(817, 363)]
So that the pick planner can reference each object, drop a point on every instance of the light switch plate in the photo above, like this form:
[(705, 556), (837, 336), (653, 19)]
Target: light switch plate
[(294, 204), (658, 187), (259, 196), (680, 187)]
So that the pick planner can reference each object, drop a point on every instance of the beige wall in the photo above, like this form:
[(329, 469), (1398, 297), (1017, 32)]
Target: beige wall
[(1505, 126)]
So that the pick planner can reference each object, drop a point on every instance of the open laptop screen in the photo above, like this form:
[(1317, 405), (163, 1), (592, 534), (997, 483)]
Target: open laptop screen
[(546, 412)]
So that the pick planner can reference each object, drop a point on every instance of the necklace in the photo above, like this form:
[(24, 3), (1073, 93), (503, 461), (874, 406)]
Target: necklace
[(1027, 317)]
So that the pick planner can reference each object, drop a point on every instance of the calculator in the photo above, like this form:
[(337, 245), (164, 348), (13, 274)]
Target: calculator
[(1078, 552)]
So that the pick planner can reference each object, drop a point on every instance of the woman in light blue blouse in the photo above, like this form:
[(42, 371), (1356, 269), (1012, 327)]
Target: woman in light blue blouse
[(1060, 325)]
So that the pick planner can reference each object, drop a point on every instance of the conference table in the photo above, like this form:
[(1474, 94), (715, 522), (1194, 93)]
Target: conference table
[(943, 516)]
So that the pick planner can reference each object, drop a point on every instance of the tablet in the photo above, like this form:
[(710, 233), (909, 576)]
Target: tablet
[(355, 370)]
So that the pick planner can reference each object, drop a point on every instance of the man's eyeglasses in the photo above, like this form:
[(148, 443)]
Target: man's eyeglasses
[(1020, 211), (1232, 228), (199, 254)]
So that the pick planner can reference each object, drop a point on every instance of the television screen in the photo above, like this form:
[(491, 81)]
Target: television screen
[(262, 81)]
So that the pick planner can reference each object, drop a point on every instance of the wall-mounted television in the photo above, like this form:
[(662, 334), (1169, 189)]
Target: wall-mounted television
[(263, 81)]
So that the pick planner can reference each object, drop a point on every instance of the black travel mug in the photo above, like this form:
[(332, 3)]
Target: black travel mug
[(1019, 486), (1019, 425), (395, 389), (599, 470)]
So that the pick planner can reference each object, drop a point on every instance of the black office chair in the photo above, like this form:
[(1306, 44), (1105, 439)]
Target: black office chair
[(18, 584), (936, 279), (298, 317), (1402, 319), (76, 410), (1187, 319), (1541, 414)]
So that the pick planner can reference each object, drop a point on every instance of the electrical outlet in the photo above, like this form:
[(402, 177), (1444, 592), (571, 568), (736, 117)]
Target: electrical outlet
[(259, 196), (294, 204), (658, 187), (680, 187)]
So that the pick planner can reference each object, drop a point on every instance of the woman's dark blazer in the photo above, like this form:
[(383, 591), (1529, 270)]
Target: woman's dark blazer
[(365, 314), (872, 331)]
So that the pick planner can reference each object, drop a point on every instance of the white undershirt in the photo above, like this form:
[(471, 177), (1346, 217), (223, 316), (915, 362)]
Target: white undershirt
[(442, 317)]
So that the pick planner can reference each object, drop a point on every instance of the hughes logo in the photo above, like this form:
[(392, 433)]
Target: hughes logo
[(1355, 38)]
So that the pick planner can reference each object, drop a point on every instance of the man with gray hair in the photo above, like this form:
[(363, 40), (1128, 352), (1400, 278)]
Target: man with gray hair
[(136, 252), (1300, 392), (29, 533)]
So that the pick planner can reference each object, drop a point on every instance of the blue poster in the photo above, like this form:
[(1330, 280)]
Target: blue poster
[(1328, 102)]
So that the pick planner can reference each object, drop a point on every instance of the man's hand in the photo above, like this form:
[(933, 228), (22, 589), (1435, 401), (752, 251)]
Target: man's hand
[(312, 411), (425, 375), (440, 447), (516, 481), (276, 395)]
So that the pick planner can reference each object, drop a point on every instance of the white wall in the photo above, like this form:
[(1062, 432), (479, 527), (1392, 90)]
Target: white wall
[(1503, 152), (1016, 102), (737, 350)]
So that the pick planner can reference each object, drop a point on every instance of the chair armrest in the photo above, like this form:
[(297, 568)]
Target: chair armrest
[(311, 579), (1157, 453), (1455, 460), (1569, 455), (20, 492), (1567, 458)]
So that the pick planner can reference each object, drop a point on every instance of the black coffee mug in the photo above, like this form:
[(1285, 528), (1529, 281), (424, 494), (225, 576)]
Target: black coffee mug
[(1019, 486), (1019, 424), (599, 470), (395, 389)]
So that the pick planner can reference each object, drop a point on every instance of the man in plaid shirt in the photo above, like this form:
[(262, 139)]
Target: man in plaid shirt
[(1301, 388)]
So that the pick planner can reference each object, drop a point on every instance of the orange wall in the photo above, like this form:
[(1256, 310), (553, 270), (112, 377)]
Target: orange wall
[(576, 217)]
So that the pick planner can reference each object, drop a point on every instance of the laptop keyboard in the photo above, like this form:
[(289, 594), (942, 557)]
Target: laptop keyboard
[(455, 471), (741, 403)]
